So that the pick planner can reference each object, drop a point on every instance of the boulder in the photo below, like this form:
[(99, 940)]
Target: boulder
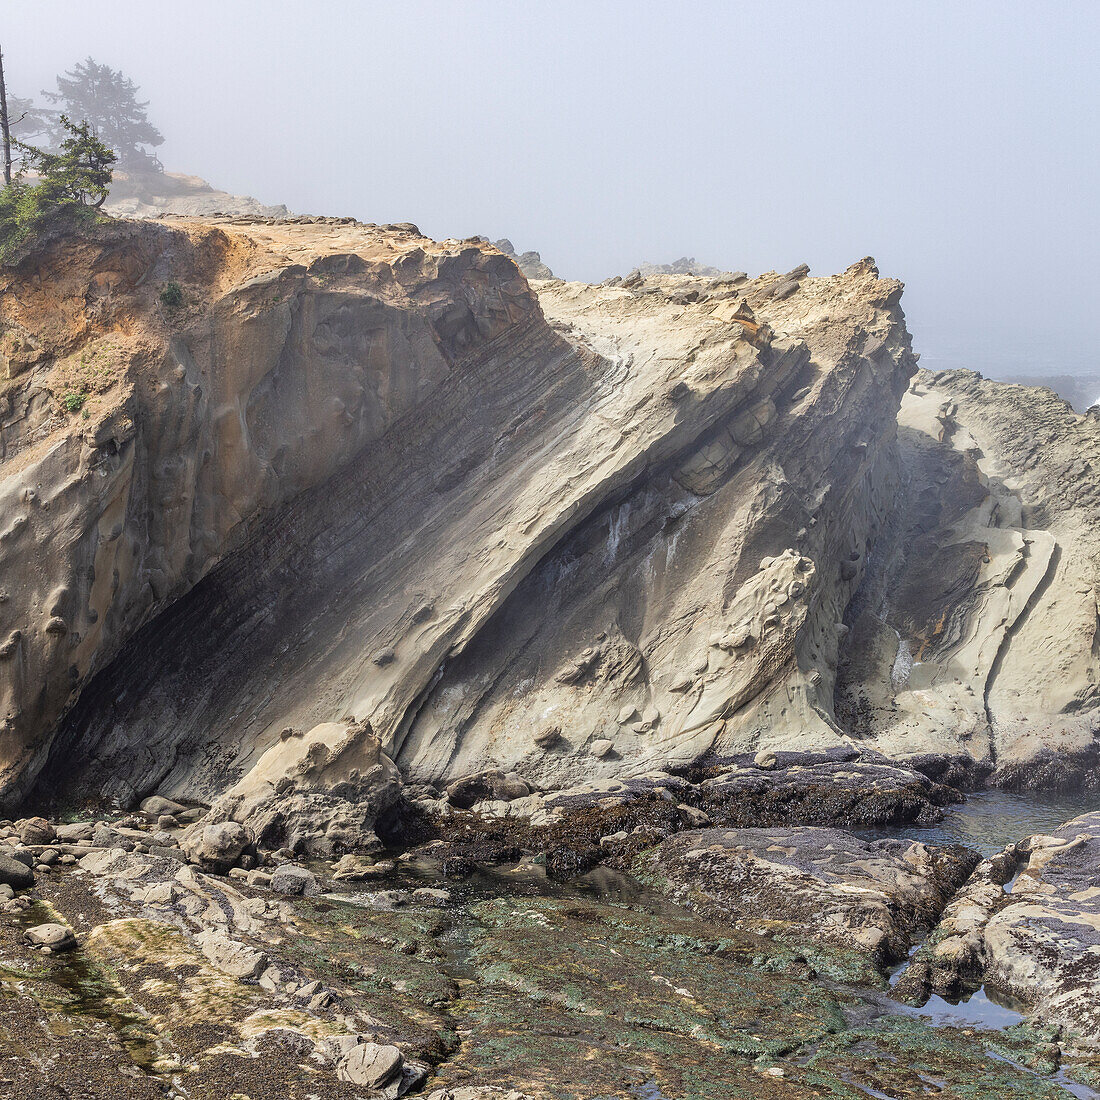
[(370, 1065), (289, 879), (489, 786), (15, 872), (56, 937), (238, 960), (78, 830), (35, 830), (155, 806), (218, 846)]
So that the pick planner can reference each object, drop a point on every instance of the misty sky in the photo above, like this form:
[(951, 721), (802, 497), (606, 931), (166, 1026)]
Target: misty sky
[(956, 142)]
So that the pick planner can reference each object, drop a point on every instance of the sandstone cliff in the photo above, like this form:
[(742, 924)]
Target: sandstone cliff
[(358, 474), (974, 635)]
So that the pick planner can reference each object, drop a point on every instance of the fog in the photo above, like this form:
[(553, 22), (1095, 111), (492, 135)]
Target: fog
[(956, 142)]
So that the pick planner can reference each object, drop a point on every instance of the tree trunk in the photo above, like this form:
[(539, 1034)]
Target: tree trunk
[(4, 127)]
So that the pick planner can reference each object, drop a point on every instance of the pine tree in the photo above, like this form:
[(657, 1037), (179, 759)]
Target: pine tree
[(77, 175), (72, 186), (108, 101)]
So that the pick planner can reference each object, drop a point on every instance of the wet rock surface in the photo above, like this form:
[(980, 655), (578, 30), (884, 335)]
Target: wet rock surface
[(1027, 925), (181, 981), (812, 884)]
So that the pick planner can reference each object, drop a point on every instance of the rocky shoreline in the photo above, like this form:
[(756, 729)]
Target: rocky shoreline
[(171, 955)]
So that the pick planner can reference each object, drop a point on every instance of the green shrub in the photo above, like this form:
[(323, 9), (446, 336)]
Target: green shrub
[(171, 296), (72, 185), (74, 402)]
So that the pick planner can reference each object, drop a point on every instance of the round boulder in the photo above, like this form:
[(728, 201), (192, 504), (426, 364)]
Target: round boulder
[(56, 937), (219, 845), (15, 873), (370, 1065), (289, 879), (35, 830)]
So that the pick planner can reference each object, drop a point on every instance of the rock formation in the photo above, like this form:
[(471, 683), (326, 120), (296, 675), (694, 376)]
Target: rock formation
[(150, 194), (974, 634), (353, 475), (821, 885), (529, 263)]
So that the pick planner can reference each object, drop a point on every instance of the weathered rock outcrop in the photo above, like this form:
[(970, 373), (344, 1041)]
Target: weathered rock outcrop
[(150, 194), (530, 263), (357, 475), (974, 634), (824, 885), (1027, 925)]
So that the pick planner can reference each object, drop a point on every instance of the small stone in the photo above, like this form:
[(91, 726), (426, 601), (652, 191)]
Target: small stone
[(430, 895), (166, 822), (238, 960), (549, 736), (601, 747), (612, 839), (694, 817), (160, 893), (49, 856), (765, 759)]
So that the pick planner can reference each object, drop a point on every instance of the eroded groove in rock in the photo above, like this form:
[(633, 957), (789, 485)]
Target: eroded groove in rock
[(989, 577)]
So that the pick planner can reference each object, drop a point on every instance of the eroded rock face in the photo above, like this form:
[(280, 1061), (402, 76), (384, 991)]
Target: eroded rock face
[(295, 347), (360, 479), (974, 634)]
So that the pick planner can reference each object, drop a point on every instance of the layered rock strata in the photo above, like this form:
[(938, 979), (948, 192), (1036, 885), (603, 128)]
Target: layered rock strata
[(357, 476)]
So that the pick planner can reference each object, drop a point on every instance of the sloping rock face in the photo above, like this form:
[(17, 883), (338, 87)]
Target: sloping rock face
[(974, 635), (292, 350), (360, 476)]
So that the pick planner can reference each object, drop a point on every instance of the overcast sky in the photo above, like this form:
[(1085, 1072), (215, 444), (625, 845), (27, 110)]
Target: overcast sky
[(956, 142)]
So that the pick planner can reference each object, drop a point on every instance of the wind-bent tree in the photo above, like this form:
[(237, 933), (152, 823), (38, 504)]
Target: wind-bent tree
[(108, 101), (72, 186)]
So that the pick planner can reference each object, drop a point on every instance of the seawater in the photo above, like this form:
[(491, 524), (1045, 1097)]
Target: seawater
[(989, 820)]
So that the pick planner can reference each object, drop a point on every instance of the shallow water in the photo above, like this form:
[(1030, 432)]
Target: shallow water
[(979, 1010), (988, 820)]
